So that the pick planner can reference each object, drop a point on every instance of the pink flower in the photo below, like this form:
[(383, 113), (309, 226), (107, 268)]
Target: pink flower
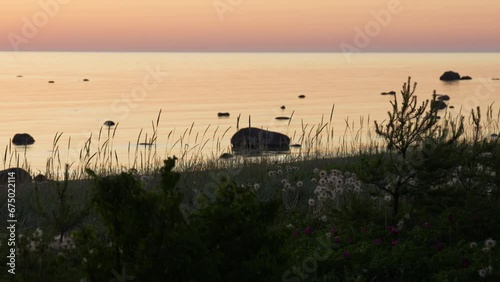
[(426, 224), (465, 263), (296, 233), (337, 240), (308, 230), (334, 231), (439, 246), (377, 241), (395, 243), (392, 229), (346, 254)]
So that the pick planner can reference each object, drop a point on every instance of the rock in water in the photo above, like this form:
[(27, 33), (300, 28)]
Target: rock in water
[(450, 76), (109, 123), (23, 139), (251, 138), (20, 175), (223, 114)]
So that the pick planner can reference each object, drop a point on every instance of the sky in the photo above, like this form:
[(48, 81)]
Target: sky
[(251, 25)]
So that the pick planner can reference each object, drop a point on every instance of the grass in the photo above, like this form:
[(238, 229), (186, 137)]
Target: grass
[(358, 149)]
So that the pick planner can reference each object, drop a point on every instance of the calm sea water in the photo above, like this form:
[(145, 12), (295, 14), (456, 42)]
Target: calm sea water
[(131, 88)]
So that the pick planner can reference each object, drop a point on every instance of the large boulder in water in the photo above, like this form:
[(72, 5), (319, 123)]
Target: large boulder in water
[(23, 139), (450, 76), (15, 175), (251, 138)]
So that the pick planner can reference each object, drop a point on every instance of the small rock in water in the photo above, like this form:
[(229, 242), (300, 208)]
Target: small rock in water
[(295, 145), (302, 96), (19, 76), (23, 139), (452, 107), (282, 118), (51, 81), (223, 114), (109, 123), (466, 77), (443, 97), (283, 107), (85, 79)]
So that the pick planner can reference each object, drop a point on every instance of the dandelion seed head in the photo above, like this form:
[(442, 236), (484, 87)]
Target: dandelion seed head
[(300, 184), (490, 243)]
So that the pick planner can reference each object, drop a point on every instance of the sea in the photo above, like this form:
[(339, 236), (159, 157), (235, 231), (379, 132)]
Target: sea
[(175, 97)]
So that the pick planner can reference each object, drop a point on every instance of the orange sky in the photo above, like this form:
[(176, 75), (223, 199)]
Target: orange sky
[(250, 25)]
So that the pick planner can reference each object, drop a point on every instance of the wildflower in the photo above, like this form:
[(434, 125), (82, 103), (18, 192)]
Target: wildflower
[(400, 224), (465, 263), (315, 171), (292, 188), (311, 202), (256, 186), (486, 249), (322, 173), (328, 234), (426, 224), (277, 167), (288, 168), (493, 174), (490, 243), (38, 233), (346, 254), (473, 244), (284, 181), (394, 243), (279, 172), (407, 216), (334, 231), (313, 180), (337, 240), (296, 233), (387, 198), (322, 182), (300, 184), (287, 185), (486, 271), (377, 241), (272, 173), (439, 246), (323, 218), (392, 229), (308, 230)]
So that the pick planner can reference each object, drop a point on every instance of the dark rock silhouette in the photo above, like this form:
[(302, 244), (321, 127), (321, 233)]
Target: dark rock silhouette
[(452, 107), (40, 178), (440, 105), (226, 156), (295, 145), (443, 98), (256, 139), (466, 77), (20, 175), (388, 93), (450, 76), (23, 139), (283, 107), (282, 118), (85, 79), (109, 123), (51, 81), (19, 76), (302, 96), (223, 114)]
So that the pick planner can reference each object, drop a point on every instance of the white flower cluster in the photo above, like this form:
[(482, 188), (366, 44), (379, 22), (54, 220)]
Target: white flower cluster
[(331, 186)]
